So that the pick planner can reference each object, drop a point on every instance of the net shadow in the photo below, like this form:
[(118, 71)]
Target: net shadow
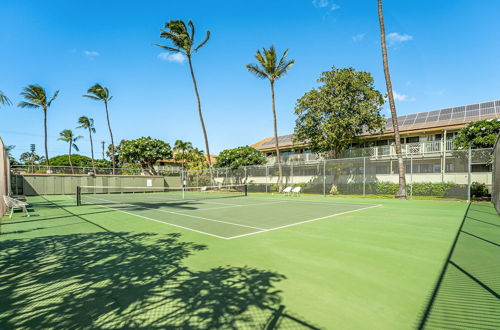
[(467, 295)]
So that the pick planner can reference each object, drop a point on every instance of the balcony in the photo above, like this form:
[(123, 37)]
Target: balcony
[(408, 149)]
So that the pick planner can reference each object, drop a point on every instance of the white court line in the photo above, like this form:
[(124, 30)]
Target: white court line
[(305, 221), (182, 214), (312, 202)]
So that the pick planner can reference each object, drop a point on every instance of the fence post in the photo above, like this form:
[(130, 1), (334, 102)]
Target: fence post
[(324, 177), (267, 175), (411, 177), (469, 169), (291, 173), (364, 176)]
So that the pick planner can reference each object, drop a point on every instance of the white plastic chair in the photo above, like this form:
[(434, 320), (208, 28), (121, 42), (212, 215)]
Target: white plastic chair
[(13, 204), (296, 191), (287, 190)]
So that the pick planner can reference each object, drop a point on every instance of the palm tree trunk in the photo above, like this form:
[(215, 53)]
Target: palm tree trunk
[(45, 138), (111, 135), (278, 160), (401, 167), (199, 112), (69, 156), (92, 150)]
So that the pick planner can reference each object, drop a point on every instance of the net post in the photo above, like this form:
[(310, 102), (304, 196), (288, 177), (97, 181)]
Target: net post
[(78, 196), (246, 189)]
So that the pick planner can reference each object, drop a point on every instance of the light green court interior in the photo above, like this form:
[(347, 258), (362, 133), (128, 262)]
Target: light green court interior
[(96, 267)]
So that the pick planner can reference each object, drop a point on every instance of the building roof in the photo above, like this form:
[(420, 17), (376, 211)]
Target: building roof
[(456, 117)]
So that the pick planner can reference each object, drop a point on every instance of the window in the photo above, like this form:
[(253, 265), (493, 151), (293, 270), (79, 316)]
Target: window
[(413, 139), (381, 143)]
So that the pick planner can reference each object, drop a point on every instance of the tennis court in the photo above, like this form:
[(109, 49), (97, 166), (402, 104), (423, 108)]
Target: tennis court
[(225, 212)]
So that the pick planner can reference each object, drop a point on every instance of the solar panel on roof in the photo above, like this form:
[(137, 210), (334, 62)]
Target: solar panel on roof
[(420, 120), (446, 111), (487, 111), (445, 117), (487, 105), (431, 119)]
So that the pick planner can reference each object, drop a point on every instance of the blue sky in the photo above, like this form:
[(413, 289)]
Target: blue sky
[(442, 53)]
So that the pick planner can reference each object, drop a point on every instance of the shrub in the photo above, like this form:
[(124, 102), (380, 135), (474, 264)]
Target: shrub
[(478, 190)]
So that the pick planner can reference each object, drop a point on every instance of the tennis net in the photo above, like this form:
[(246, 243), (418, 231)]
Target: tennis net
[(138, 195)]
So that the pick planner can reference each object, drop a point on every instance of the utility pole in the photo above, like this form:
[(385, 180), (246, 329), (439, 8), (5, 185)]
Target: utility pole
[(103, 142)]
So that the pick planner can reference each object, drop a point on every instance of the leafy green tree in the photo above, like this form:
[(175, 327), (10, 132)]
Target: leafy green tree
[(88, 124), (478, 134), (241, 156), (145, 151), (100, 93), (176, 32), (68, 136), (181, 151), (36, 97), (331, 116), (272, 69), (77, 161), (397, 139), (197, 160), (4, 100)]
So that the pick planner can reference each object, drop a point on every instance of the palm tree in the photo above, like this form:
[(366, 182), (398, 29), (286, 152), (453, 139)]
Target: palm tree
[(4, 100), (88, 123), (177, 33), (272, 69), (36, 97), (401, 167), (100, 93), (68, 136), (181, 150)]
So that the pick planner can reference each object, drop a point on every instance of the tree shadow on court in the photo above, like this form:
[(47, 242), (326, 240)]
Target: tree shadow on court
[(126, 280), (467, 293)]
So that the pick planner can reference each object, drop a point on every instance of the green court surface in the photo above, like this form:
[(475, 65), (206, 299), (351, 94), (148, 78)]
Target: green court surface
[(249, 262)]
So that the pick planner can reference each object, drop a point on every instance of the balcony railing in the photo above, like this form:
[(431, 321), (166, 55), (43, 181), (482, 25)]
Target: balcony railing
[(416, 148)]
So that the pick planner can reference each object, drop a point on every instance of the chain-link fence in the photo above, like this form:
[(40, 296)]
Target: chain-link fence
[(459, 174)]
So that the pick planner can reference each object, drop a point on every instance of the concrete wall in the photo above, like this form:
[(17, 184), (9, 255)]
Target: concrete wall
[(33, 184)]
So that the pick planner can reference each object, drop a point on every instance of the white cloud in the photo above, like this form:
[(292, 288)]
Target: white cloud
[(402, 97), (335, 7), (91, 53), (320, 3), (395, 38), (358, 37), (176, 57)]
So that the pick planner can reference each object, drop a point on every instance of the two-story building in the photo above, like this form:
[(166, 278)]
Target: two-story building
[(421, 133)]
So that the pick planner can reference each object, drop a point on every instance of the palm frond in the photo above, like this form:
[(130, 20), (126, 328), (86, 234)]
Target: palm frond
[(53, 98), (91, 97), (203, 42), (75, 147), (191, 26), (4, 99), (253, 68), (25, 104), (170, 49)]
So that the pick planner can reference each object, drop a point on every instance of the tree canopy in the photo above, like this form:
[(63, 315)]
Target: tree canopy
[(78, 161), (333, 115), (241, 156), (145, 151), (478, 134)]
